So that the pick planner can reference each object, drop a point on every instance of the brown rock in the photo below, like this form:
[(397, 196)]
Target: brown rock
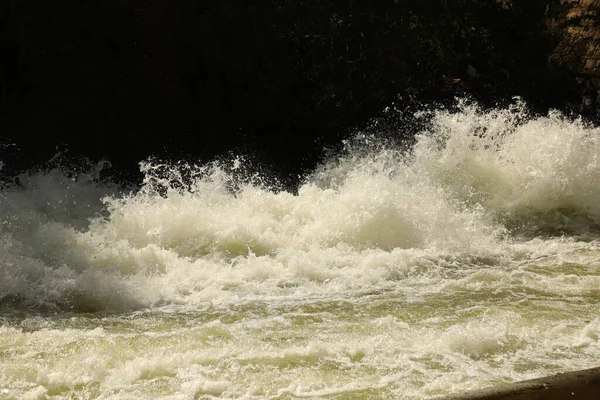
[(577, 385)]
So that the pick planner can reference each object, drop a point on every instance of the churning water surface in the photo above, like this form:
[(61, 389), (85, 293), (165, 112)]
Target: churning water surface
[(468, 260)]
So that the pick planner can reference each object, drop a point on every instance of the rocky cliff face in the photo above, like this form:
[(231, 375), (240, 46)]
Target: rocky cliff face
[(579, 50)]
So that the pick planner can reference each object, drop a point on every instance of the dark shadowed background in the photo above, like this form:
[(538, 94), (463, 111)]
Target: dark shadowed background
[(277, 80)]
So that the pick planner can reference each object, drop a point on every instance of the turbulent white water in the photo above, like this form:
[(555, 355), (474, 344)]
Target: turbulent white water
[(470, 260)]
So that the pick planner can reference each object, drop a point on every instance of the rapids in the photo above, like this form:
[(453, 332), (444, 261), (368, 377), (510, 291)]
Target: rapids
[(469, 259)]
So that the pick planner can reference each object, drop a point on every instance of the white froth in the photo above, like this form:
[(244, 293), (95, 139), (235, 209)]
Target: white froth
[(472, 259)]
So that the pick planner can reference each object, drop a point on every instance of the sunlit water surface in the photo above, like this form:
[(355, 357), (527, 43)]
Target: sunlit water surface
[(470, 260)]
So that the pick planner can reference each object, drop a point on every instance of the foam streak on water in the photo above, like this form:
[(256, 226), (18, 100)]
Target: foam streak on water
[(470, 260)]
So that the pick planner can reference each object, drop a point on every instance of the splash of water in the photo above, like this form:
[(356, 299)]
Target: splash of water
[(474, 183)]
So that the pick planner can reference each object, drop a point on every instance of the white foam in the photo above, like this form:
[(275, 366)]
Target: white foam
[(471, 259), (188, 236)]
